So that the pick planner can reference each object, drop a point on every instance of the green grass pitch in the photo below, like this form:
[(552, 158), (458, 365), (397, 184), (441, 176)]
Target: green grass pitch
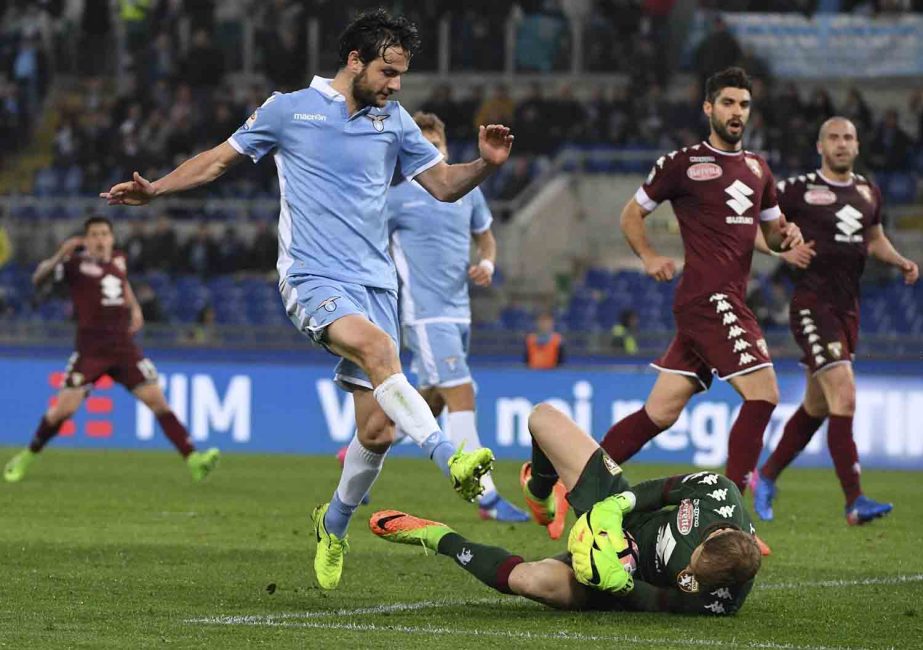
[(120, 549)]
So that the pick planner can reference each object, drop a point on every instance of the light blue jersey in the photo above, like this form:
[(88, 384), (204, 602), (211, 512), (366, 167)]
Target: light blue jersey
[(431, 242), (334, 173)]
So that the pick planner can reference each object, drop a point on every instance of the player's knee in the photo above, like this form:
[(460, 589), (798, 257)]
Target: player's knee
[(528, 580), (377, 354), (158, 405), (764, 392), (664, 415), (771, 394), (60, 412), (844, 401), (816, 408), (533, 580), (540, 415)]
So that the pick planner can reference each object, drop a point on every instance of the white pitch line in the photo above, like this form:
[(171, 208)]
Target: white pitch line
[(892, 580), (269, 619), (644, 642)]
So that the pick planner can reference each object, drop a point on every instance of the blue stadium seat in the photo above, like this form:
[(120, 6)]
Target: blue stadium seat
[(516, 319), (898, 187)]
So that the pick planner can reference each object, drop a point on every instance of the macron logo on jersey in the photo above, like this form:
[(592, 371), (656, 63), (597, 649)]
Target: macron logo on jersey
[(309, 117)]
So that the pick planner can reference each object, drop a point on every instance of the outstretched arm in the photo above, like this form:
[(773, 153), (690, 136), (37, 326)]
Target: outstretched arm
[(451, 182), (46, 267), (881, 248), (198, 170)]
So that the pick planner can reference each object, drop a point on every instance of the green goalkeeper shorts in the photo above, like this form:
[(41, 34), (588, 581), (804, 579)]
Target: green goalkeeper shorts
[(601, 477)]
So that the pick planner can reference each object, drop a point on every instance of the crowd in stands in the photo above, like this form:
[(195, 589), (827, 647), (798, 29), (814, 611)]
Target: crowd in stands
[(177, 99)]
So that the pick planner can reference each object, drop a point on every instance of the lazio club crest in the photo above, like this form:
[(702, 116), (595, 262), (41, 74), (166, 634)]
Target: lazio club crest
[(378, 121)]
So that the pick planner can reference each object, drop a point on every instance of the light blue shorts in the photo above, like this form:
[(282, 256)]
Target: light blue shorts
[(313, 302), (440, 353)]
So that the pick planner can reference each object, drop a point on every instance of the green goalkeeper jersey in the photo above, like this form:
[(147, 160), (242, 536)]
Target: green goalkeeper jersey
[(667, 536)]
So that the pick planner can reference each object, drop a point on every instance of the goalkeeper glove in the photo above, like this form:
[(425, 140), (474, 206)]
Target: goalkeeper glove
[(596, 542)]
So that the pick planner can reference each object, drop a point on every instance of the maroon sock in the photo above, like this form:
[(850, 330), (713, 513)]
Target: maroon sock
[(176, 432), (798, 433), (628, 435), (746, 440), (844, 454), (45, 432)]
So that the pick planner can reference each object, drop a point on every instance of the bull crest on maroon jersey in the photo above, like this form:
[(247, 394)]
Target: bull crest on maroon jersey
[(687, 582), (754, 166), (866, 192)]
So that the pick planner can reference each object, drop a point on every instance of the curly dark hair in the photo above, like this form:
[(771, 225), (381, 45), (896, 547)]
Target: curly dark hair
[(373, 32), (727, 78)]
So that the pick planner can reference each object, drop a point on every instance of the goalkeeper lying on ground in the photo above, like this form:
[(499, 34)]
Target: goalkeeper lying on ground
[(699, 557)]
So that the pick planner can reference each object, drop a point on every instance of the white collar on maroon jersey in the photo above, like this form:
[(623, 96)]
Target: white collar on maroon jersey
[(723, 153), (852, 179)]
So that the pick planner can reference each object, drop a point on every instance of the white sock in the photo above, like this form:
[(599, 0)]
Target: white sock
[(406, 408), (463, 428), (360, 469)]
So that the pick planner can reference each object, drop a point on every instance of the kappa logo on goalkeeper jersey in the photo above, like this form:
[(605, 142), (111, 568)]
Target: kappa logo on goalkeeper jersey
[(725, 511), (706, 478), (716, 607), (723, 592), (719, 494)]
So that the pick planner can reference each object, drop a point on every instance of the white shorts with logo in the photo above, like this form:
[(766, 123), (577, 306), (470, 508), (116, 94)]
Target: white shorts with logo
[(440, 352), (314, 302)]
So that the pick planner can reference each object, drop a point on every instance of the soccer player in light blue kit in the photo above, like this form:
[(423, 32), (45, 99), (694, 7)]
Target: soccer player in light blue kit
[(430, 243), (336, 145)]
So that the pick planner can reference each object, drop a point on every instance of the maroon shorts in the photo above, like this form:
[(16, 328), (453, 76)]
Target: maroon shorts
[(127, 366), (715, 335), (826, 335)]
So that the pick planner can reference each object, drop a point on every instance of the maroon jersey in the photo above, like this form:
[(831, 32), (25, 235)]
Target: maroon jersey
[(98, 293), (837, 217), (719, 198)]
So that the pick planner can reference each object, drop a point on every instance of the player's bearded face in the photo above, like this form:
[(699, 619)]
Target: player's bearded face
[(729, 114), (380, 78), (730, 130)]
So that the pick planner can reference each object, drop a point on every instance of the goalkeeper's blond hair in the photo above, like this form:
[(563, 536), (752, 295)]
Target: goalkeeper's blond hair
[(731, 558)]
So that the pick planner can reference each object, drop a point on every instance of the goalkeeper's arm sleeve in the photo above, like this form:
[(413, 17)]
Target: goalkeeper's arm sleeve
[(645, 597), (657, 493)]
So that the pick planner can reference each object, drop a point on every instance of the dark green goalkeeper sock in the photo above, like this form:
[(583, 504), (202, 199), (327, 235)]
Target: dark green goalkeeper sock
[(491, 565)]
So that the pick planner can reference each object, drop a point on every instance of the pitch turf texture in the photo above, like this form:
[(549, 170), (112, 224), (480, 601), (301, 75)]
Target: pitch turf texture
[(121, 550)]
